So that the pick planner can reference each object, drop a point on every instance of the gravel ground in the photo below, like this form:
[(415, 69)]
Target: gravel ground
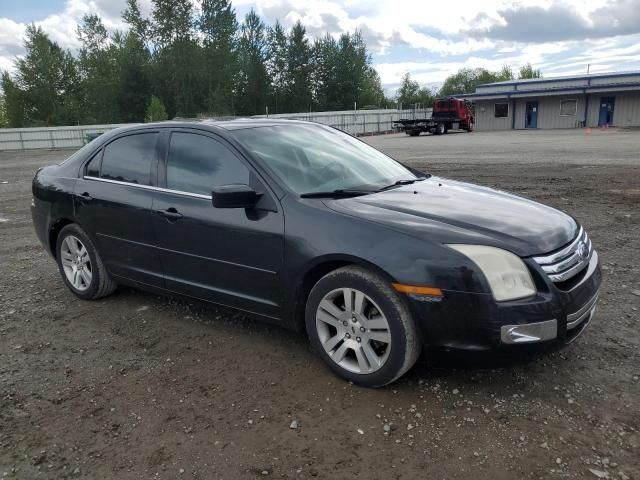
[(137, 386)]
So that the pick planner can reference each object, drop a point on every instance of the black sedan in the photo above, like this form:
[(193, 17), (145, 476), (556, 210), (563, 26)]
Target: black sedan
[(311, 228)]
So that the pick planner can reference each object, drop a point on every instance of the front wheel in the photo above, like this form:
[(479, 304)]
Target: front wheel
[(80, 265), (361, 328)]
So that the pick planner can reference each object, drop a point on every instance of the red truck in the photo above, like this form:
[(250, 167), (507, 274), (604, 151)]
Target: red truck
[(448, 114)]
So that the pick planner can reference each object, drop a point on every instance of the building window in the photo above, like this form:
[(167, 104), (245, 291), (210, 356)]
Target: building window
[(568, 108), (501, 110)]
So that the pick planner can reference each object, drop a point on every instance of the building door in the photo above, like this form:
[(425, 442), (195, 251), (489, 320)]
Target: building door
[(531, 115), (606, 111)]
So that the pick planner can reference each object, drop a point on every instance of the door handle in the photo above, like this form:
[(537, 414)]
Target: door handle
[(171, 214), (85, 197)]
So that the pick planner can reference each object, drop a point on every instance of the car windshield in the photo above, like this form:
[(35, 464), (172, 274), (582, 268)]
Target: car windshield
[(311, 158)]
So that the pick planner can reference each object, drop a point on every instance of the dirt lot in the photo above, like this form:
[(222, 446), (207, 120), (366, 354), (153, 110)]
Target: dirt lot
[(136, 386)]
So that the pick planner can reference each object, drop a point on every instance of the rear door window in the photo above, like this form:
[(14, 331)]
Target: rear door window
[(197, 163), (128, 159)]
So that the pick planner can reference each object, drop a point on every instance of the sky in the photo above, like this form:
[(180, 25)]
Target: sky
[(429, 39)]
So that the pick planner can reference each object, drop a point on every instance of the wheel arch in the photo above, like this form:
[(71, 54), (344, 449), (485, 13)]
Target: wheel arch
[(54, 231), (317, 269)]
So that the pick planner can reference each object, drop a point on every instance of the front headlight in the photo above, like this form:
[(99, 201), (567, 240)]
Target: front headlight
[(506, 273)]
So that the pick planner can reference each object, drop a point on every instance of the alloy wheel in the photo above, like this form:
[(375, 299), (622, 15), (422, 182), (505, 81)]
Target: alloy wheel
[(353, 330), (76, 263)]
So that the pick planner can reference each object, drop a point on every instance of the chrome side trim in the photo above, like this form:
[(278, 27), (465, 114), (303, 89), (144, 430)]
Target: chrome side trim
[(576, 318), (149, 187), (529, 332)]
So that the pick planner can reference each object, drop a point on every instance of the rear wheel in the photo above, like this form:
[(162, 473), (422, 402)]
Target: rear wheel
[(361, 328), (440, 129), (80, 265)]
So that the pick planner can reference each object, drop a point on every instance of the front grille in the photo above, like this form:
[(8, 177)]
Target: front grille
[(568, 261)]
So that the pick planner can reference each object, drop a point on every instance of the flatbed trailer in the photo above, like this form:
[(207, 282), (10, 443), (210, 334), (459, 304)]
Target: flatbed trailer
[(448, 114)]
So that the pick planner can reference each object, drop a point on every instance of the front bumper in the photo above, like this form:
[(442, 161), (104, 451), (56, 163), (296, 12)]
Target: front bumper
[(473, 321)]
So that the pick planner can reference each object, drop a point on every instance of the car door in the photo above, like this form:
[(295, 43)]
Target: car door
[(230, 256), (112, 201)]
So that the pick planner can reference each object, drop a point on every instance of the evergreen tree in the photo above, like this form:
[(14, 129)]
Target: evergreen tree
[(207, 64), (277, 68), (298, 70), (351, 68), (325, 57), (253, 82), (178, 58), (219, 27), (134, 83)]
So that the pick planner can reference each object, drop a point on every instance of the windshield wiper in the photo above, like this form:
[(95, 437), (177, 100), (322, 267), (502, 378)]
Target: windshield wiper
[(402, 182), (336, 193)]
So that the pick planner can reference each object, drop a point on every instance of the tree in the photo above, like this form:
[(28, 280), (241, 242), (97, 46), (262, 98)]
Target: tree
[(134, 83), (219, 27), (156, 111), (372, 94), (466, 80), (13, 102), (277, 67), (253, 82), (298, 70), (178, 57), (505, 74), (48, 80), (3, 113), (97, 70), (139, 26), (527, 71), (191, 64), (325, 55), (351, 66), (408, 91)]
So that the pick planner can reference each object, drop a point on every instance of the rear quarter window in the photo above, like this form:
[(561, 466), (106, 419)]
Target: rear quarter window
[(93, 167), (128, 159)]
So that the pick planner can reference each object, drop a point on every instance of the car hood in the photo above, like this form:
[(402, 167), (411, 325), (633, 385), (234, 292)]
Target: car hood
[(447, 211)]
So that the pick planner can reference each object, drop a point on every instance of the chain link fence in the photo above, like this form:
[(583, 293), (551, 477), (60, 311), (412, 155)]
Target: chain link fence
[(360, 122)]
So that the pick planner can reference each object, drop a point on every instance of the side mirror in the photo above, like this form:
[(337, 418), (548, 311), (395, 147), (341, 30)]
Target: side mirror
[(234, 196)]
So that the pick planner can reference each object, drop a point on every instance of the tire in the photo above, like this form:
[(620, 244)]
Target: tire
[(413, 133), (364, 351), (440, 129), (83, 273)]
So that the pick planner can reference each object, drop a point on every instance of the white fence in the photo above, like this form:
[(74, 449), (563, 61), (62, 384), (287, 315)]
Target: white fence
[(361, 122)]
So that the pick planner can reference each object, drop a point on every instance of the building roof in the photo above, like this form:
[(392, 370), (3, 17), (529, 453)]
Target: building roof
[(561, 78), (561, 85)]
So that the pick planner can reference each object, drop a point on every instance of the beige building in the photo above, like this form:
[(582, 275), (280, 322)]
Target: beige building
[(611, 99)]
